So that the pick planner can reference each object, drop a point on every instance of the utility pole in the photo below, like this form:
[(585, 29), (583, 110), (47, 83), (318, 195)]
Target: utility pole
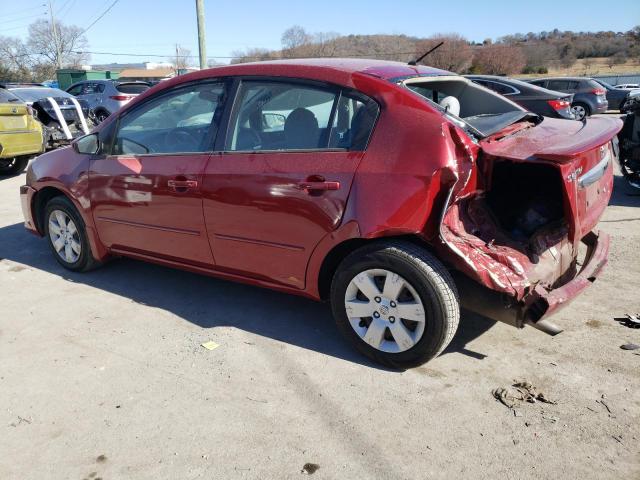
[(54, 32), (202, 44)]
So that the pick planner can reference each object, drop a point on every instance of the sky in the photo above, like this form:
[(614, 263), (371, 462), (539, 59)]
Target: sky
[(148, 27)]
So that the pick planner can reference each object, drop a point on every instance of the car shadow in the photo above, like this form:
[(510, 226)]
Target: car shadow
[(624, 195), (209, 302)]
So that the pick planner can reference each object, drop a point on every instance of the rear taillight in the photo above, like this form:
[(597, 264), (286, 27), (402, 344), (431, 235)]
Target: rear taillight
[(121, 98), (599, 91), (558, 104)]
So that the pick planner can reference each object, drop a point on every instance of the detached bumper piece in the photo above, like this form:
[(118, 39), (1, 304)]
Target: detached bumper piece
[(26, 200), (539, 303)]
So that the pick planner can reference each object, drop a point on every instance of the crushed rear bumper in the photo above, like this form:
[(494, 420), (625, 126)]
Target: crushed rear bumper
[(539, 303)]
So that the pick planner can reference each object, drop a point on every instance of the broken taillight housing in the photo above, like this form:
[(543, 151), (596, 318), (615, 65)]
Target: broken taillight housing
[(558, 104)]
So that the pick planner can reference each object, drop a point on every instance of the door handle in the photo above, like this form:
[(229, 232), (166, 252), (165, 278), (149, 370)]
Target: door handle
[(182, 185), (319, 186)]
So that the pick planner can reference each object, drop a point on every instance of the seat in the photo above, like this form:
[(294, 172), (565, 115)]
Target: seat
[(451, 105), (301, 130)]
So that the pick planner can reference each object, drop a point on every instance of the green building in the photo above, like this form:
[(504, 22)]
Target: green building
[(68, 76)]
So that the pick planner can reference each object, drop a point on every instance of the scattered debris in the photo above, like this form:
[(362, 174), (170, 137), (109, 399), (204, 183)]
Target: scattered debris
[(617, 438), (517, 413), (254, 400), (552, 419), (310, 468), (589, 408), (520, 391), (630, 346), (101, 458), (631, 321), (601, 401), (20, 420), (210, 345)]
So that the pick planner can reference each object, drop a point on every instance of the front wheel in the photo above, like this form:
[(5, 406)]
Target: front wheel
[(396, 303), (13, 166), (67, 235)]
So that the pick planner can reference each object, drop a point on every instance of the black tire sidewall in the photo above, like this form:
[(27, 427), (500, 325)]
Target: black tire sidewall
[(18, 166), (432, 300), (65, 205)]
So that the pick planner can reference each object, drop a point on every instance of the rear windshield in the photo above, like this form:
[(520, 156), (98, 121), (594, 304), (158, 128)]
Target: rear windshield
[(6, 96), (132, 87), (594, 84)]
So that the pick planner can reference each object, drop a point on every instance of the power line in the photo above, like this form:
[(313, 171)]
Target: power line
[(18, 12), (101, 15), (122, 54), (20, 19)]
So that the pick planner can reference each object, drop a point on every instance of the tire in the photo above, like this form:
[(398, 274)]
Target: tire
[(580, 110), (81, 259), (101, 116), (13, 166), (427, 287)]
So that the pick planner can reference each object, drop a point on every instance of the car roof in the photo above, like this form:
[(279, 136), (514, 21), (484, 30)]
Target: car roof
[(338, 70), (563, 78)]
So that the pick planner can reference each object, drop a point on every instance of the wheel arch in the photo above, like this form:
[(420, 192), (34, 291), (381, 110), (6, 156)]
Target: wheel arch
[(39, 203), (341, 250)]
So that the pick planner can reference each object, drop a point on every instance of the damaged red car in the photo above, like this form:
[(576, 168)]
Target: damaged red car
[(400, 193)]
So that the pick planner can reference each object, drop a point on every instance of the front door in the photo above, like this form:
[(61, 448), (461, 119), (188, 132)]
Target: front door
[(282, 181), (146, 195)]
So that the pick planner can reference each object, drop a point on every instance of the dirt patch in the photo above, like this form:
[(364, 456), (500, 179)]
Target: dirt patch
[(594, 323)]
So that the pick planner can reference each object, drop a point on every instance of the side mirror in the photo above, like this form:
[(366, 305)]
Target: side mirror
[(87, 145)]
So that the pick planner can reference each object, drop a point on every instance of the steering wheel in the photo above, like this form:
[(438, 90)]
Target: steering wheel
[(181, 140)]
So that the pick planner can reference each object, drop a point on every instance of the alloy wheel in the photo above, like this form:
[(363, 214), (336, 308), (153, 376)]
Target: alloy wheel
[(64, 236), (579, 112), (385, 310)]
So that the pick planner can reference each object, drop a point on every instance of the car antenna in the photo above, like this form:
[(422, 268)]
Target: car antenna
[(419, 59)]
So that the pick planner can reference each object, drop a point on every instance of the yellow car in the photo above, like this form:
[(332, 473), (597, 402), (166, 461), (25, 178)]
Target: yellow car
[(20, 134)]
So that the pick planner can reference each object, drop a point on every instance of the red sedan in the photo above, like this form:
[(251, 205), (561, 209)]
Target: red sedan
[(388, 189)]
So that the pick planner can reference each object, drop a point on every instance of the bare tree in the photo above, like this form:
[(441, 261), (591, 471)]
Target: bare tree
[(182, 58), (454, 55), (294, 37), (499, 60), (65, 48)]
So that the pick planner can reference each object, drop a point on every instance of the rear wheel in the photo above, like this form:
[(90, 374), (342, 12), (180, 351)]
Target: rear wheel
[(13, 166), (580, 110), (396, 303), (67, 235)]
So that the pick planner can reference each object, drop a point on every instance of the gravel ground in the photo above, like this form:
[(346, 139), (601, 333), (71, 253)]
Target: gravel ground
[(102, 376)]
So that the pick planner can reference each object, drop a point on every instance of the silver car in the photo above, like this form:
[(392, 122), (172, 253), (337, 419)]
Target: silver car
[(106, 96)]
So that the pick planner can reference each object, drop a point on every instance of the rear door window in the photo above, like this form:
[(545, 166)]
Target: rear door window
[(501, 88), (561, 85), (353, 122), (280, 116), (77, 90)]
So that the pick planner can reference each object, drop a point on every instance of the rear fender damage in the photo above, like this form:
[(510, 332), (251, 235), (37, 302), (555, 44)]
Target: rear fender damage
[(512, 245)]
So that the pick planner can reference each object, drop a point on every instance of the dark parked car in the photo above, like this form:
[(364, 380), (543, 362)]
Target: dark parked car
[(589, 96), (615, 96), (344, 180), (532, 97)]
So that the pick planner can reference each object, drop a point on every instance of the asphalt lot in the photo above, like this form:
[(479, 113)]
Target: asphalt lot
[(102, 375)]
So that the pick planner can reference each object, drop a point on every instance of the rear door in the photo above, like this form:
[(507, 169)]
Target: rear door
[(282, 179), (146, 195)]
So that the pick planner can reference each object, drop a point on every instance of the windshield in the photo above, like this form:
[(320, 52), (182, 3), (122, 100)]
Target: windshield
[(605, 85), (132, 88), (7, 96), (35, 94)]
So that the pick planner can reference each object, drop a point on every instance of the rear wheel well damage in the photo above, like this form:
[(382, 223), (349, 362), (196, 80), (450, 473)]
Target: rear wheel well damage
[(339, 252)]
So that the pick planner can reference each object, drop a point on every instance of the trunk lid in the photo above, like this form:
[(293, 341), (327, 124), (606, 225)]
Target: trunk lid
[(13, 117), (582, 152)]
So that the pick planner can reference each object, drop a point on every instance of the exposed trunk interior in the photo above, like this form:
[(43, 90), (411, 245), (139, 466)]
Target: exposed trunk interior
[(525, 197)]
